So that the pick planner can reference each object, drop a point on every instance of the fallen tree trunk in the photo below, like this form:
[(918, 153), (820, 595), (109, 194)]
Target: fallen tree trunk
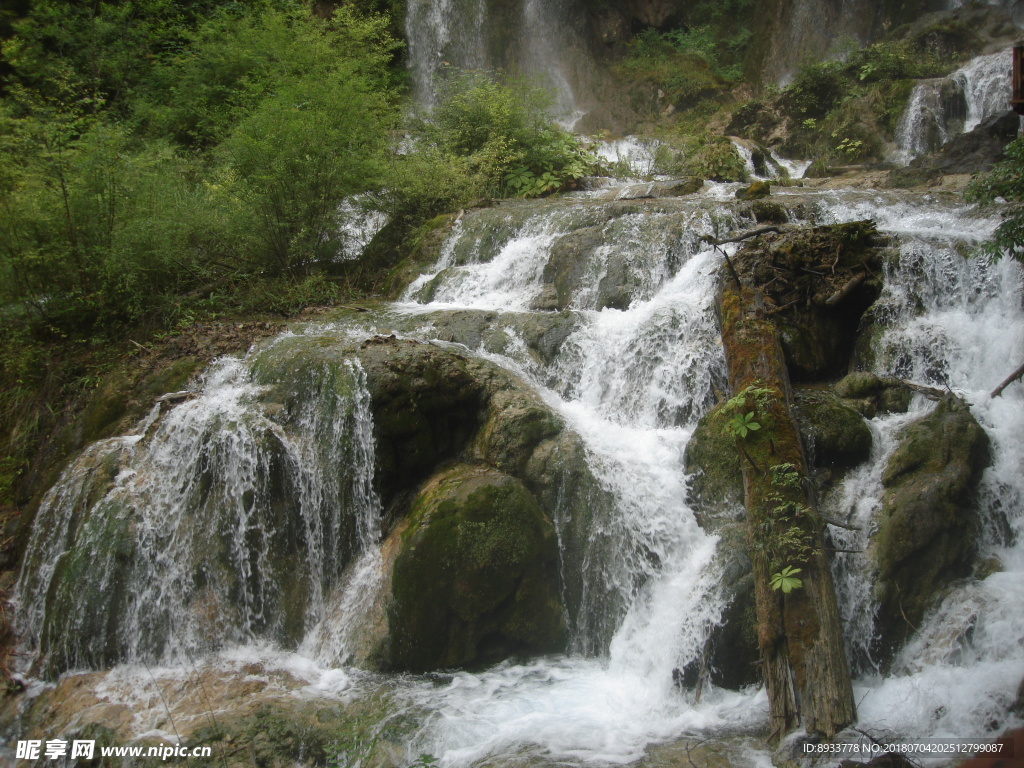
[(799, 631)]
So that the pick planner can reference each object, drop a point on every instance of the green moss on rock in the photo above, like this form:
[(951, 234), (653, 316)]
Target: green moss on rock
[(870, 394), (477, 578), (755, 191), (927, 527), (712, 464), (838, 436)]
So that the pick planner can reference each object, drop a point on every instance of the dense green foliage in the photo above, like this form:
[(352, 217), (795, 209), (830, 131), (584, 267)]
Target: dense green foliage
[(130, 183), (499, 133), (695, 62), (1005, 181), (841, 110), (163, 162)]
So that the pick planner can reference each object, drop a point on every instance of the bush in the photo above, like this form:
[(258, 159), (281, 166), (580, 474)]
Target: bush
[(104, 49), (715, 158), (686, 65), (503, 136), (239, 56), (815, 90), (313, 142), (101, 226), (1006, 181)]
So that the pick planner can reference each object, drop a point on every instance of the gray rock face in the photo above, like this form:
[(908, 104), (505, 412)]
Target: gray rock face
[(974, 152)]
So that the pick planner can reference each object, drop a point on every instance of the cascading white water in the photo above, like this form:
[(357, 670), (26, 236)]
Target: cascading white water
[(922, 126), (180, 540), (631, 381), (443, 34), (958, 323), (985, 83), (771, 166), (928, 122), (942, 312), (527, 37)]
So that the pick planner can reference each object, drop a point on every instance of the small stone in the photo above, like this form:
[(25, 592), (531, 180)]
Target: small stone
[(755, 191)]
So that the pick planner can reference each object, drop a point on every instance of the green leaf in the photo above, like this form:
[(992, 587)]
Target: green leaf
[(786, 580)]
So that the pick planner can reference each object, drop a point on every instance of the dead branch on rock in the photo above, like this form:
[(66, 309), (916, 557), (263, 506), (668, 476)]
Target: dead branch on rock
[(1012, 378), (741, 237), (839, 524), (846, 290)]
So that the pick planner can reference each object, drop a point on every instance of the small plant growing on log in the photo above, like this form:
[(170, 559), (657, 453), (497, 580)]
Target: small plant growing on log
[(741, 424), (787, 525), (786, 580)]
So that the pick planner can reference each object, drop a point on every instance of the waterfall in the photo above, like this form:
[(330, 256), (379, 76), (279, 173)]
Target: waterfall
[(985, 82), (940, 109), (441, 34), (193, 509), (225, 521), (950, 322), (943, 316), (922, 127), (527, 37)]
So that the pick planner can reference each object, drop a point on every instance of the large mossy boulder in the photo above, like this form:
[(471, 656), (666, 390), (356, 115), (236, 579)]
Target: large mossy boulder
[(426, 407), (730, 658), (927, 526), (477, 578), (870, 394), (835, 434)]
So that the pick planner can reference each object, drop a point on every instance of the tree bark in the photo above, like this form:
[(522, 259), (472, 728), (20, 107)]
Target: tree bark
[(799, 634)]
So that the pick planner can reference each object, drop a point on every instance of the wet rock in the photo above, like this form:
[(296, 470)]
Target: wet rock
[(819, 169), (835, 435), (518, 423), (755, 191), (870, 394), (928, 522), (712, 465), (560, 477), (574, 263), (687, 185), (732, 645), (716, 495), (477, 578), (616, 288), (426, 407), (1017, 708), (973, 152), (570, 256), (248, 712), (767, 212)]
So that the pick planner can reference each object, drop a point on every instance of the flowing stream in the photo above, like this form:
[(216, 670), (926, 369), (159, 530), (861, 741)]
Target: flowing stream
[(632, 380)]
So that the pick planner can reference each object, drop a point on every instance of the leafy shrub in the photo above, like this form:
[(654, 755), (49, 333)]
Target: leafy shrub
[(687, 65), (815, 90), (102, 226), (503, 134), (1005, 181), (240, 55), (297, 155), (715, 158)]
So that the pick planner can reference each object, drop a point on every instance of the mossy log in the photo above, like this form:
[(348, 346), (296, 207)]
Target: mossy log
[(799, 634)]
